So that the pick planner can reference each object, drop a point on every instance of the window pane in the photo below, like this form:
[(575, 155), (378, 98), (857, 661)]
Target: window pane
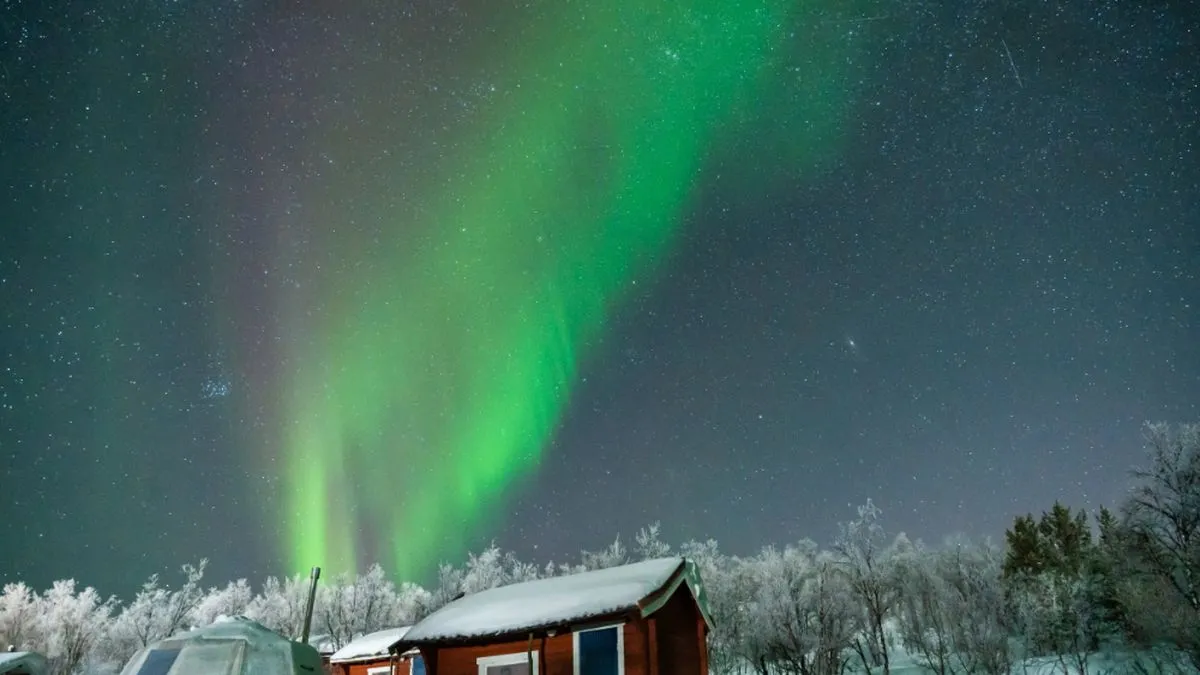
[(418, 666), (598, 652), (513, 669), (209, 658), (158, 662)]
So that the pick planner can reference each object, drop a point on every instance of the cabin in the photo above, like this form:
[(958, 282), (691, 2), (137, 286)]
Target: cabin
[(232, 646), (370, 654), (647, 618)]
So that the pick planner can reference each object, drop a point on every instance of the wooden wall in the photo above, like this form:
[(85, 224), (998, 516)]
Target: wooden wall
[(555, 654), (679, 627), (403, 667), (671, 642)]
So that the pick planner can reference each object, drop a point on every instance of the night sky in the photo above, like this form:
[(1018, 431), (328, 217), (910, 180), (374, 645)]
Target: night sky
[(296, 283)]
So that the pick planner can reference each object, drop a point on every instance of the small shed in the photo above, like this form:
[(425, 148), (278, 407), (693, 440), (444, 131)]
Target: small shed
[(647, 618), (23, 663), (232, 646), (370, 655)]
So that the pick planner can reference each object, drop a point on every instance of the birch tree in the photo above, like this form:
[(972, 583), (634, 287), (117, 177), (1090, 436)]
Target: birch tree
[(648, 544), (861, 551), (1161, 520), (353, 606), (72, 623), (18, 617), (281, 604), (232, 600), (157, 612)]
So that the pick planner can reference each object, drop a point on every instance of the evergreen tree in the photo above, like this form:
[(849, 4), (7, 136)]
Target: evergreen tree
[(1104, 567), (1066, 540), (1051, 586), (1023, 554), (1059, 542)]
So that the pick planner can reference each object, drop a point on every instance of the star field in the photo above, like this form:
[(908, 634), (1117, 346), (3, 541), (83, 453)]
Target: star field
[(944, 257)]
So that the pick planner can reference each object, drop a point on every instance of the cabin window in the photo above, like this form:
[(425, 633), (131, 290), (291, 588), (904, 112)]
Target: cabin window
[(600, 651), (418, 666), (379, 670), (508, 664)]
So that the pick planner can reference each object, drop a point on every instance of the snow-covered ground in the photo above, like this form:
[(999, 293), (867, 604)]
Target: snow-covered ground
[(1101, 663), (903, 663)]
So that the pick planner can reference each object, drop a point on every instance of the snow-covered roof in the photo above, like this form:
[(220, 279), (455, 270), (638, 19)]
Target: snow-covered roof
[(369, 646), (556, 601), (31, 662), (220, 645), (322, 643)]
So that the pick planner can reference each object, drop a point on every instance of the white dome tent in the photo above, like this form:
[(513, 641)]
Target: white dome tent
[(232, 646), (22, 663)]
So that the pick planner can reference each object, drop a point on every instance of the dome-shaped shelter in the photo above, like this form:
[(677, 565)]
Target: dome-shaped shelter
[(23, 663), (236, 646)]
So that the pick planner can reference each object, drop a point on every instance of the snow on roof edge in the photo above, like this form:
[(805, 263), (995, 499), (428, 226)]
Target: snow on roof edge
[(695, 584), (555, 601), (370, 646)]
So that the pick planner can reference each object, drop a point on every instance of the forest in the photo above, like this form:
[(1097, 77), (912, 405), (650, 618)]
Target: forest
[(1067, 591)]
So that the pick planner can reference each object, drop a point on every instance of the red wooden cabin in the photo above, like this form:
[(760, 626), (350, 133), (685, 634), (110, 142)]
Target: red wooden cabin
[(648, 618), (369, 655)]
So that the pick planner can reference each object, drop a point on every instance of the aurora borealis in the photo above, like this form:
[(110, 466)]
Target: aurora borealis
[(287, 284), (451, 352)]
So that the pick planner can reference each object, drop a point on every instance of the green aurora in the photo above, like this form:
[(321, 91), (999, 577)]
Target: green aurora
[(441, 379)]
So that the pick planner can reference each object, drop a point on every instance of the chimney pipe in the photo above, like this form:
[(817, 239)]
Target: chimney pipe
[(312, 599)]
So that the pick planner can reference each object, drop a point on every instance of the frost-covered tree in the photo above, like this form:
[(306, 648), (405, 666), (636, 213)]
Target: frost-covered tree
[(804, 612), (281, 605), (448, 587), (1162, 525), (72, 624), (157, 612), (862, 552), (488, 569), (648, 544), (517, 571), (352, 606), (412, 603), (925, 609), (1055, 617), (18, 617), (783, 611), (233, 600), (614, 555), (484, 571), (980, 625), (735, 644)]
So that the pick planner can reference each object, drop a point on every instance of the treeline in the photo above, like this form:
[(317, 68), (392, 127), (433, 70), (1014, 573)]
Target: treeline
[(1068, 592)]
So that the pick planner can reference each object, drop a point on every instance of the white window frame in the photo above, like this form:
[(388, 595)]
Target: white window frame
[(620, 646), (380, 670), (515, 659), (413, 659)]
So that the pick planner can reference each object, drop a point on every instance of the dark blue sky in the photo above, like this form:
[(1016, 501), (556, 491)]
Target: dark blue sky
[(966, 314)]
